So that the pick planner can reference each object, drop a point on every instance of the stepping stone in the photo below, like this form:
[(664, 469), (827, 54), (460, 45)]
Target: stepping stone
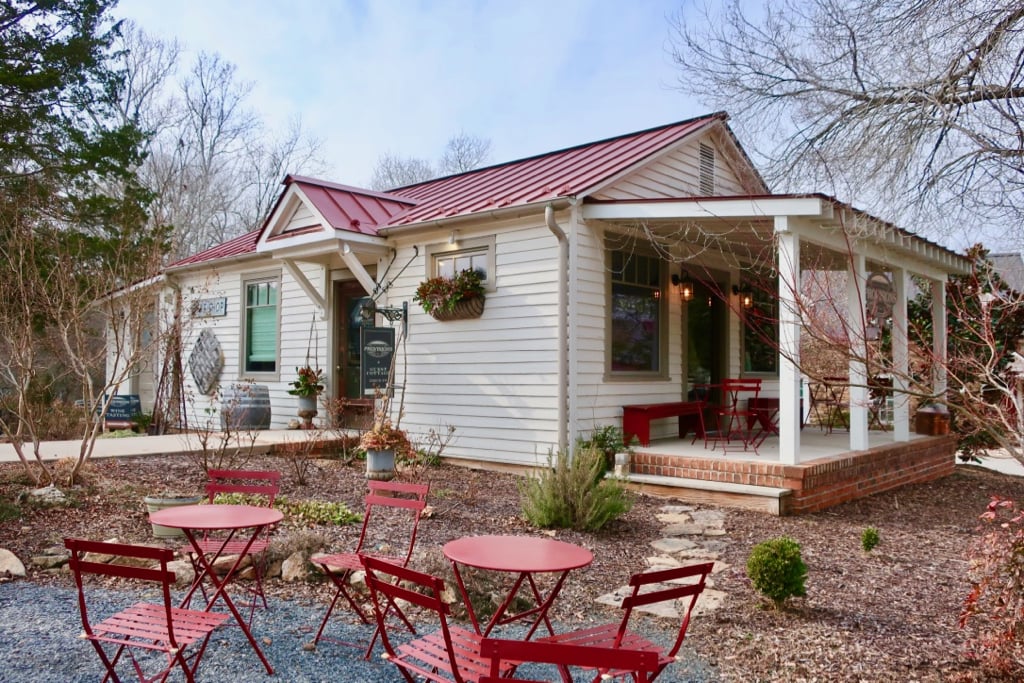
[(663, 562), (676, 509), (714, 545), (673, 517), (709, 601), (684, 529), (714, 532), (709, 518), (673, 545)]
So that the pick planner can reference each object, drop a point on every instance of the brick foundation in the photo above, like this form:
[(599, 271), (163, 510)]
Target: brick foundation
[(818, 484)]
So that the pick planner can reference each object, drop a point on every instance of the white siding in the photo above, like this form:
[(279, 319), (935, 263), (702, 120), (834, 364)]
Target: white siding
[(296, 313), (301, 218), (600, 396), (493, 378), (676, 174)]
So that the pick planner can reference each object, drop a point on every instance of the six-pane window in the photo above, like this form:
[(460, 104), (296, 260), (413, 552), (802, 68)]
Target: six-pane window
[(635, 313), (261, 326), (451, 263)]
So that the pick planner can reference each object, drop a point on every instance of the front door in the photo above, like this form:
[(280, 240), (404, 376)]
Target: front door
[(706, 339), (348, 299)]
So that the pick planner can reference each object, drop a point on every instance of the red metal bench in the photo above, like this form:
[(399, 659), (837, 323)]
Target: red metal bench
[(636, 419)]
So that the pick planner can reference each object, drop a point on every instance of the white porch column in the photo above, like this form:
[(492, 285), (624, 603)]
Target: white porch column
[(939, 339), (856, 282), (789, 341), (900, 359)]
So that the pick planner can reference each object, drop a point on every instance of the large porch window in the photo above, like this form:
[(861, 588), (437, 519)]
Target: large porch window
[(636, 314), (761, 334)]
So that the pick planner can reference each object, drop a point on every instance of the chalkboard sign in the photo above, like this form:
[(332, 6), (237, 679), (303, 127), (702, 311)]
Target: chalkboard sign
[(377, 350)]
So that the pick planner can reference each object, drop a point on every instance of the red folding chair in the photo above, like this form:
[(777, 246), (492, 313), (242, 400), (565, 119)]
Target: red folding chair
[(449, 654), (735, 421), (385, 501), (150, 626), (649, 588), (641, 664), (258, 487)]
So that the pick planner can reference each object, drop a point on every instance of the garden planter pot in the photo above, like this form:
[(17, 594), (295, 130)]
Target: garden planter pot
[(380, 465), (463, 310), (307, 409), (156, 503)]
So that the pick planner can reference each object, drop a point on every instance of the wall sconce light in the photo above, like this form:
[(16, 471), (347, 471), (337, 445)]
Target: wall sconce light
[(745, 295), (685, 286), (453, 239)]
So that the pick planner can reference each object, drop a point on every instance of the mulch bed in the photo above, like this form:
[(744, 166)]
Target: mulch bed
[(887, 615)]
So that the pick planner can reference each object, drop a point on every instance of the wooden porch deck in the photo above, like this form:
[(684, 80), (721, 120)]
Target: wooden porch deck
[(828, 473)]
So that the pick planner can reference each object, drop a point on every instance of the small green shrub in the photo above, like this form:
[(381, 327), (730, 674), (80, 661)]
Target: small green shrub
[(318, 511), (573, 493), (869, 538), (777, 569), (9, 511), (309, 511), (608, 439)]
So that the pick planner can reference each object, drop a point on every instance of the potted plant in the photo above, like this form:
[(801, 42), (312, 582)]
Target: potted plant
[(169, 499), (452, 298), (382, 442), (307, 387)]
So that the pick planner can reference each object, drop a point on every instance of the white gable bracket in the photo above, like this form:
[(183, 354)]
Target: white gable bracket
[(357, 269), (307, 286)]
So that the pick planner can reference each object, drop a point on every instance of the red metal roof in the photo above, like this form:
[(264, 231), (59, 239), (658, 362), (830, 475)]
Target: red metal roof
[(351, 208), (244, 244), (562, 173)]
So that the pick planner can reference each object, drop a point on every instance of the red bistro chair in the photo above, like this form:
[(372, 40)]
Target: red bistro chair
[(735, 420), (384, 499), (640, 664), (155, 626), (259, 485), (649, 588), (449, 653)]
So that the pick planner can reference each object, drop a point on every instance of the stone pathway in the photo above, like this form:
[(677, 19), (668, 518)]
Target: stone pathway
[(690, 535)]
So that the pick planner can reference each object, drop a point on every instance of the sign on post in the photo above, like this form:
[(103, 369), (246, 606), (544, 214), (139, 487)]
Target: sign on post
[(377, 351)]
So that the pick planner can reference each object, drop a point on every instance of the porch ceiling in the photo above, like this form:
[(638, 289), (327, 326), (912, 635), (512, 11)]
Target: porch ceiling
[(745, 228)]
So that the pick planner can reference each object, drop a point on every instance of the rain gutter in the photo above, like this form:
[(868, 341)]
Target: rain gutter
[(563, 325)]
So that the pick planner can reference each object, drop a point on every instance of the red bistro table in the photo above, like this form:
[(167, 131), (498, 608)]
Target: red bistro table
[(525, 555), (230, 518)]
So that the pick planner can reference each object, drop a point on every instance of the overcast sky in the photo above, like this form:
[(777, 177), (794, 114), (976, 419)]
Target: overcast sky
[(399, 76)]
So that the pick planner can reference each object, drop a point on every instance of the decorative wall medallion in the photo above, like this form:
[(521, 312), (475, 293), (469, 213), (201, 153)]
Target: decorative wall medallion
[(206, 361)]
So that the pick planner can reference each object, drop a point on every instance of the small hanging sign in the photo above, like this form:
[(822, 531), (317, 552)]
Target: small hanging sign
[(377, 351), (210, 308)]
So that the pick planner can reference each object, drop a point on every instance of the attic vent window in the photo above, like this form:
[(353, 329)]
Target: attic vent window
[(707, 170)]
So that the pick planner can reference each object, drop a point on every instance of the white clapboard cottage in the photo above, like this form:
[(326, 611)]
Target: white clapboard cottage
[(616, 274)]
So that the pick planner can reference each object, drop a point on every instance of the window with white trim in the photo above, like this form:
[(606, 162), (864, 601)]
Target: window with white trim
[(447, 260), (636, 310), (260, 326)]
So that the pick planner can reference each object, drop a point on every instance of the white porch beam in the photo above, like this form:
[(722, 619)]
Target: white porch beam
[(763, 207), (856, 283), (311, 291), (357, 269), (900, 359), (789, 342)]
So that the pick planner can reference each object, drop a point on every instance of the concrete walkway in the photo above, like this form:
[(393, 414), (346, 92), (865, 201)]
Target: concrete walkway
[(124, 446)]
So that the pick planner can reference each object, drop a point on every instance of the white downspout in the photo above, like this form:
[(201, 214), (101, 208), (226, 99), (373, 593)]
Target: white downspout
[(563, 326)]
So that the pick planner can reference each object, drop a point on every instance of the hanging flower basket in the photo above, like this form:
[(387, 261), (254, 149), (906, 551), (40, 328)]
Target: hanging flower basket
[(463, 310), (452, 298)]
